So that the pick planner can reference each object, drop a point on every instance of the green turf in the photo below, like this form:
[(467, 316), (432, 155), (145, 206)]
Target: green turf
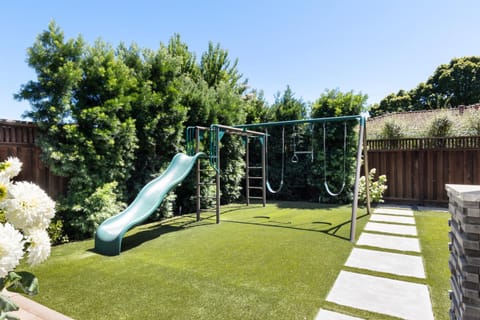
[(433, 233), (277, 262)]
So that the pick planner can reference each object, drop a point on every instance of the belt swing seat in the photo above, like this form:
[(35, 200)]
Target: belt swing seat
[(269, 187), (325, 181)]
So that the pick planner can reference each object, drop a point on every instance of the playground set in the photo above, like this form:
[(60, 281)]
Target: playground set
[(109, 235)]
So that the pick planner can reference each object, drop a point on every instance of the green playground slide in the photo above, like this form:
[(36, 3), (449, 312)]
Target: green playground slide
[(108, 238)]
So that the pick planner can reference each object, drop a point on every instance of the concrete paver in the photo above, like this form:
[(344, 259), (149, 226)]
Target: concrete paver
[(391, 228), (330, 315), (393, 263), (401, 212), (392, 219), (389, 242), (402, 299)]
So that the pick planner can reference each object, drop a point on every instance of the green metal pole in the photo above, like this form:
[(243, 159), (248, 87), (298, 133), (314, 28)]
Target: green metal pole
[(293, 122), (217, 151)]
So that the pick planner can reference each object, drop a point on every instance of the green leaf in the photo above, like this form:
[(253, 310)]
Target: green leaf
[(25, 282), (6, 316), (7, 305)]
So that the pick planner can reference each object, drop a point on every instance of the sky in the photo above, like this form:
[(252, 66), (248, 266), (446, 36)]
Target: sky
[(375, 47)]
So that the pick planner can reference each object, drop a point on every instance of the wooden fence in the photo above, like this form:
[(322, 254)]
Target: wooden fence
[(418, 169), (17, 138)]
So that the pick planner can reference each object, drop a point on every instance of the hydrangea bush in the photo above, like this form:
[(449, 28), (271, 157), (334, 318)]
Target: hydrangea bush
[(27, 211), (376, 188)]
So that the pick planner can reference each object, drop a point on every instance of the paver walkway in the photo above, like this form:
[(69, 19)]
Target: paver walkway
[(394, 230)]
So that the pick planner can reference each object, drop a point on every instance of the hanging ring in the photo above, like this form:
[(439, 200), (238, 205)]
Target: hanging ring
[(294, 158)]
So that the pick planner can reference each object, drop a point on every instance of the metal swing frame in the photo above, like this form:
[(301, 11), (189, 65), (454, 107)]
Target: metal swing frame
[(361, 149)]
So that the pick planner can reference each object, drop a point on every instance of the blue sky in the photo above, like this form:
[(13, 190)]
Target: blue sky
[(372, 46)]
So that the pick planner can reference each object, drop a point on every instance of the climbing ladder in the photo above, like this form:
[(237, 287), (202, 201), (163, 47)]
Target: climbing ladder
[(195, 136), (255, 175), (205, 172)]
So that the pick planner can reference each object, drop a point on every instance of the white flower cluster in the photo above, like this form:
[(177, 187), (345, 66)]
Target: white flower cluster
[(28, 211)]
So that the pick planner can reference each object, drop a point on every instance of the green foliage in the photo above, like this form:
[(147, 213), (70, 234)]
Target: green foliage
[(56, 232), (392, 130), (473, 124), (452, 84), (402, 101), (439, 127), (376, 188), (287, 107), (97, 207), (22, 282), (256, 108), (216, 68), (112, 119), (334, 103), (81, 102)]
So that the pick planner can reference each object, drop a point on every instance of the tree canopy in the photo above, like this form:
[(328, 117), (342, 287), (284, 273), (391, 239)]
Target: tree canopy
[(452, 84), (110, 119)]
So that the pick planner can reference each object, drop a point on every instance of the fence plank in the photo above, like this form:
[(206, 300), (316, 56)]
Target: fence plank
[(17, 138), (419, 175)]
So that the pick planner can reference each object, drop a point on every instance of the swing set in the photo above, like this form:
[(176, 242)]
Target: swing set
[(195, 136)]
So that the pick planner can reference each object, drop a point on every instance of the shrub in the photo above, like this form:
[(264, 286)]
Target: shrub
[(392, 130), (56, 233), (377, 188), (102, 204), (473, 124), (440, 127)]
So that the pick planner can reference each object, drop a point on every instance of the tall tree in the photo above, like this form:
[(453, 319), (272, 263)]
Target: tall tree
[(81, 101), (336, 150), (216, 67), (453, 84), (282, 160)]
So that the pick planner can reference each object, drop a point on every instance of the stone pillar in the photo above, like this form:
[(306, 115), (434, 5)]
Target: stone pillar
[(464, 263)]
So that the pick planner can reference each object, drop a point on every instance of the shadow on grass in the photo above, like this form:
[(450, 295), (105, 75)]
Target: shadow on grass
[(306, 205), (163, 227), (134, 240), (332, 231), (148, 233)]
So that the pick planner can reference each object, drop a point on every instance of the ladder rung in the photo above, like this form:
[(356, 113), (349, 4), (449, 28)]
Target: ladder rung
[(256, 198), (257, 188), (255, 167), (255, 178)]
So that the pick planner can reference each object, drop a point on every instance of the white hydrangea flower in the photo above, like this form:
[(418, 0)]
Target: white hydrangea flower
[(28, 206), (12, 167), (11, 248), (39, 249)]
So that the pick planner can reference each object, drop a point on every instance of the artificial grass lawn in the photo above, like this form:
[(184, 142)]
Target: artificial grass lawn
[(433, 234), (277, 262)]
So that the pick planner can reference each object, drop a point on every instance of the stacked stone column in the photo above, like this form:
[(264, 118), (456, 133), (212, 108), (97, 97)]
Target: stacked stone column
[(464, 263)]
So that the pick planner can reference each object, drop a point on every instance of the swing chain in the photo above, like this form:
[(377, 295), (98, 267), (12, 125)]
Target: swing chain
[(269, 187), (325, 183)]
